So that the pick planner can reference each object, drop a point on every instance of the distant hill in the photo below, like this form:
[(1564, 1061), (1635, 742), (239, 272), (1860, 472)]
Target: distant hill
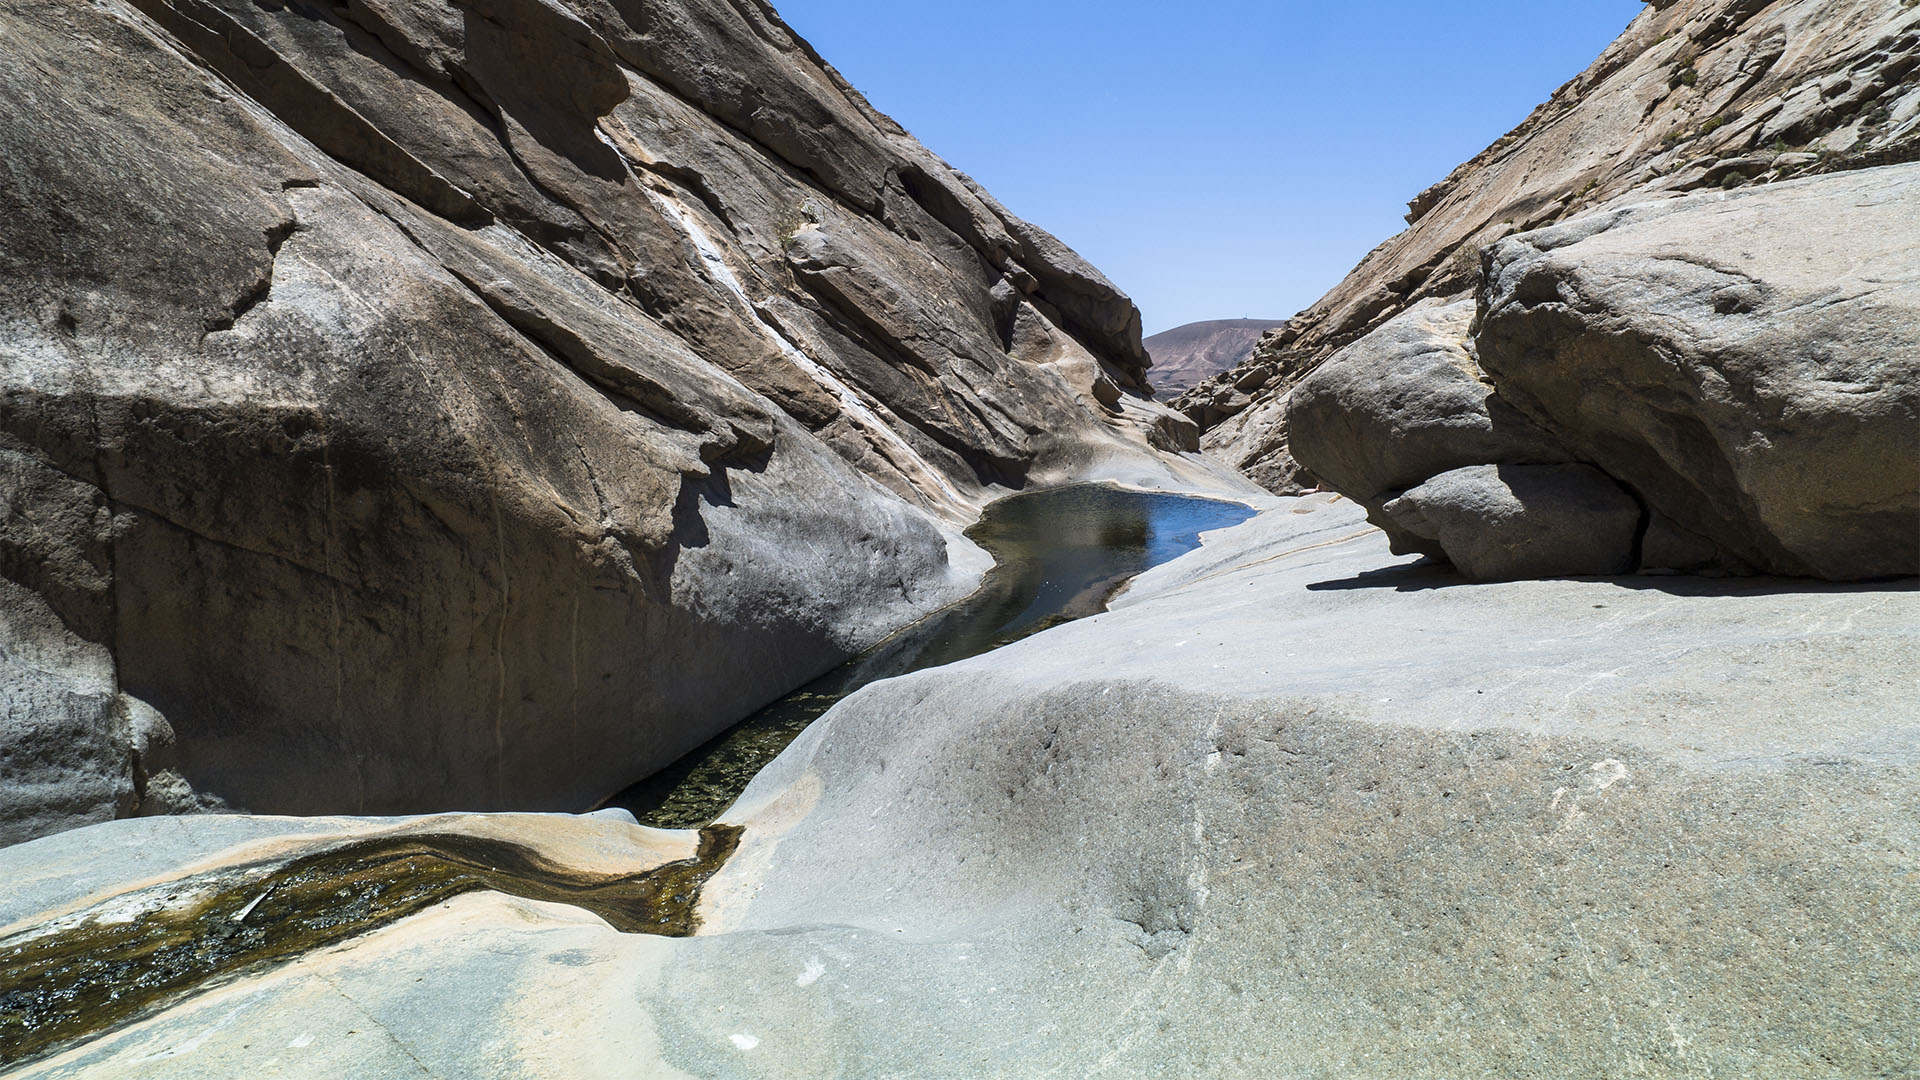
[(1189, 354)]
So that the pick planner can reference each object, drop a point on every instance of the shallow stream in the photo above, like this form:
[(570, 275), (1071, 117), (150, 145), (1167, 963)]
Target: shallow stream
[(1059, 555)]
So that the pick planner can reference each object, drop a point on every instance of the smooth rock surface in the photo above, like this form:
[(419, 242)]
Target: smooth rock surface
[(1294, 808), (1693, 94), (476, 406), (1509, 522), (1406, 403), (1748, 362)]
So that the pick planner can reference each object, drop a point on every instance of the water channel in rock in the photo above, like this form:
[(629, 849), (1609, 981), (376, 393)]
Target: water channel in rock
[(1059, 555)]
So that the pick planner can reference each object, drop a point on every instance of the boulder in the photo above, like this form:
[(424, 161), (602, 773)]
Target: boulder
[(1694, 93), (1747, 362), (1405, 403), (1508, 522)]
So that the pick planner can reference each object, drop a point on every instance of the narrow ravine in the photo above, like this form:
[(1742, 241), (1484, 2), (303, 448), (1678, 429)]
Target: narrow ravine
[(1059, 555)]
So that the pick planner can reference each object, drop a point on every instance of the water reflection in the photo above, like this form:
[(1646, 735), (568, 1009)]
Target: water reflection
[(1059, 555)]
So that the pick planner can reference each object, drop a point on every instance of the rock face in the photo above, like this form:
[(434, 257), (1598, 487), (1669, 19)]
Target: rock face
[(1294, 808), (1189, 354), (474, 405), (1695, 94), (1746, 364), (1407, 402)]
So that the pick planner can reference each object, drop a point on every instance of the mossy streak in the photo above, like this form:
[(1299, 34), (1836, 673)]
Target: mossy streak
[(60, 987)]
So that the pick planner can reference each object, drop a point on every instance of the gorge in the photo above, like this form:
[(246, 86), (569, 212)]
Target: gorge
[(419, 421)]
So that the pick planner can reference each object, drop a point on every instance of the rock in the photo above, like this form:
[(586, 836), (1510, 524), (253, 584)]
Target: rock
[(1510, 522), (1706, 81), (1293, 808), (1406, 403), (1188, 354), (434, 405), (1748, 363), (73, 749)]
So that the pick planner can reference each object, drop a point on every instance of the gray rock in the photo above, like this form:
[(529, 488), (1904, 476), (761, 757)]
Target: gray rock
[(1509, 522), (1292, 809), (1687, 84), (1748, 363), (423, 407), (1405, 403)]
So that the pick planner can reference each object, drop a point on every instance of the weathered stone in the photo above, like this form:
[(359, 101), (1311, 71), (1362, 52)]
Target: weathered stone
[(1292, 809), (1510, 522), (73, 749), (1748, 363), (437, 404), (1692, 81), (1406, 403)]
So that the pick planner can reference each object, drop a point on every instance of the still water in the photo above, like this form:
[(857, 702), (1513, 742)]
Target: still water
[(1059, 555)]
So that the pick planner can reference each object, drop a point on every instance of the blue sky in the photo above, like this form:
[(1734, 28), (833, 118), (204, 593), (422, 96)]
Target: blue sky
[(1218, 158)]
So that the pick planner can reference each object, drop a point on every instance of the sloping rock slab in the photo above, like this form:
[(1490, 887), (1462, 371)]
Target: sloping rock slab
[(1294, 808)]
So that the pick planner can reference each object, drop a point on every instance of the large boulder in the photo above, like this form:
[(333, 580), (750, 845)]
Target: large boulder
[(1694, 94), (1404, 403), (1294, 808), (440, 405), (1747, 362)]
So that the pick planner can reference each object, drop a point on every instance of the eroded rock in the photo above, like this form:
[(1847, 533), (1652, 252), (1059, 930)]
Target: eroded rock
[(1694, 94), (436, 405), (1509, 522), (1748, 363), (1405, 403)]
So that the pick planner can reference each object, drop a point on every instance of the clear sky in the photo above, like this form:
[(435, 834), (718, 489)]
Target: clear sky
[(1217, 159)]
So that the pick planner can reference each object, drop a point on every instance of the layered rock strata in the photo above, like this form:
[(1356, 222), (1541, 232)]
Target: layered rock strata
[(1294, 808), (474, 405), (1695, 94)]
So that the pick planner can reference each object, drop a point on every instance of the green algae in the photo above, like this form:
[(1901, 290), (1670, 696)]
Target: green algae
[(60, 987)]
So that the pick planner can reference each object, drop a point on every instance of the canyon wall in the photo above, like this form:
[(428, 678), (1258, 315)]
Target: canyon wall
[(429, 405)]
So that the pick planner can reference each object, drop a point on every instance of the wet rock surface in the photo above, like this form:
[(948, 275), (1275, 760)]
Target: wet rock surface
[(435, 405)]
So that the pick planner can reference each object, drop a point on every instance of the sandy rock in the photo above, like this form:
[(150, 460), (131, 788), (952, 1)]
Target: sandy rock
[(1509, 522), (1748, 363)]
